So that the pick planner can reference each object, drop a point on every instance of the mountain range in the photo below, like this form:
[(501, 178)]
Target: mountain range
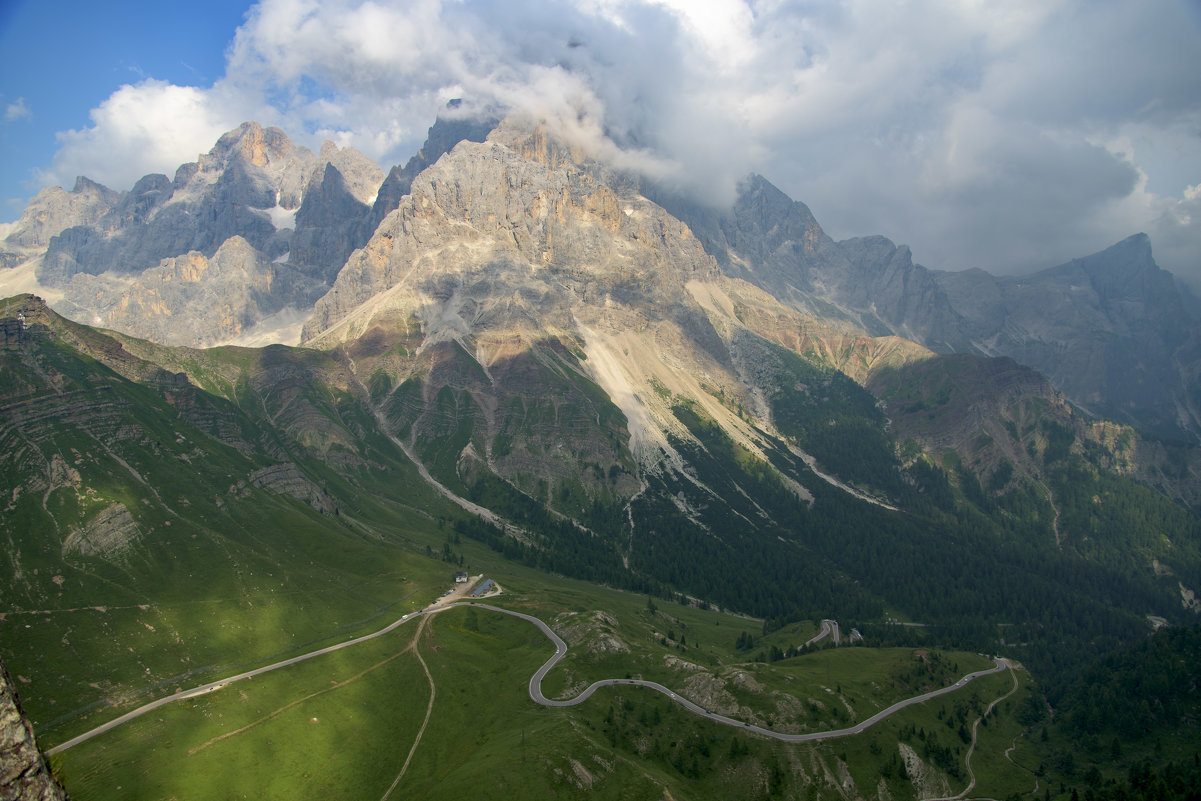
[(243, 244), (585, 374)]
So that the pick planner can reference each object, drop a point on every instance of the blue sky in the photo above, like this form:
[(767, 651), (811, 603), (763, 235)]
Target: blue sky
[(1009, 136), (59, 60)]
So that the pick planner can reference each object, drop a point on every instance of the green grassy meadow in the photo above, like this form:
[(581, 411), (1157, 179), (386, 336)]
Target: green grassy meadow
[(342, 725)]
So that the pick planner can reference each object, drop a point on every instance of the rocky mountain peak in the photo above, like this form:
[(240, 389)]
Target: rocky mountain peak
[(518, 262), (54, 210), (904, 296), (88, 188), (776, 243), (1111, 330), (250, 166), (362, 175), (1124, 270), (1124, 284), (535, 141), (249, 142), (329, 150), (774, 216), (147, 194), (443, 135), (103, 251), (515, 201)]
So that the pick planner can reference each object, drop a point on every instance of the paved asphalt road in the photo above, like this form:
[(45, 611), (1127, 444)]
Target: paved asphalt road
[(536, 684), (859, 728)]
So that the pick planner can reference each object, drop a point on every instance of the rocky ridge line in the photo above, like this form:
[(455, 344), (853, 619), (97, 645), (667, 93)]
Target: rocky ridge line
[(24, 774)]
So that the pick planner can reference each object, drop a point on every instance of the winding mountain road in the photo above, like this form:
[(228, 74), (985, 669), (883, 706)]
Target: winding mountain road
[(535, 685), (858, 728)]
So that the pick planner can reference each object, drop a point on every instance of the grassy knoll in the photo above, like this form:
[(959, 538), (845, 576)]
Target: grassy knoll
[(923, 748), (613, 632), (616, 634), (704, 760), (342, 725), (486, 738)]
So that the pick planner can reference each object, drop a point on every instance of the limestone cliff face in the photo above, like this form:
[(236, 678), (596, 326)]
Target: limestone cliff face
[(1119, 336), (24, 775), (228, 192), (558, 233), (774, 242), (517, 273), (885, 281), (508, 276), (443, 135), (255, 205), (187, 299), (325, 231), (54, 210)]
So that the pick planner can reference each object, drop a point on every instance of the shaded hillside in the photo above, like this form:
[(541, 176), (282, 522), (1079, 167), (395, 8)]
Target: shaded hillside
[(1112, 331), (1004, 421), (135, 498)]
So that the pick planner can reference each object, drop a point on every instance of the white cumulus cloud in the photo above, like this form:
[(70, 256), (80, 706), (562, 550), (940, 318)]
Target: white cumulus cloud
[(148, 127), (17, 110)]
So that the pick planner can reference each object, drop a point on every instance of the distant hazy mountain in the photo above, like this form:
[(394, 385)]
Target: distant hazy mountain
[(254, 227), (1117, 334), (1114, 332)]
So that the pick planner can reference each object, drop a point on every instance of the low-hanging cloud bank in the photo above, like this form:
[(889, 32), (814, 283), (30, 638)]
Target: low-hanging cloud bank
[(1009, 136)]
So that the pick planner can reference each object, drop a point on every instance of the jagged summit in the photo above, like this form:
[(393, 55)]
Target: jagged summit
[(509, 203), (1123, 270), (52, 210), (776, 243), (257, 254), (519, 263), (251, 143)]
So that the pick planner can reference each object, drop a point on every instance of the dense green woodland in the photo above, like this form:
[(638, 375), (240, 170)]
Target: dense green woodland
[(1140, 692), (1129, 729), (1175, 781)]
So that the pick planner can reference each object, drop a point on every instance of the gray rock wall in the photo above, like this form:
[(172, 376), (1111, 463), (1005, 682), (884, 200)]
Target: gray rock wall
[(24, 774)]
